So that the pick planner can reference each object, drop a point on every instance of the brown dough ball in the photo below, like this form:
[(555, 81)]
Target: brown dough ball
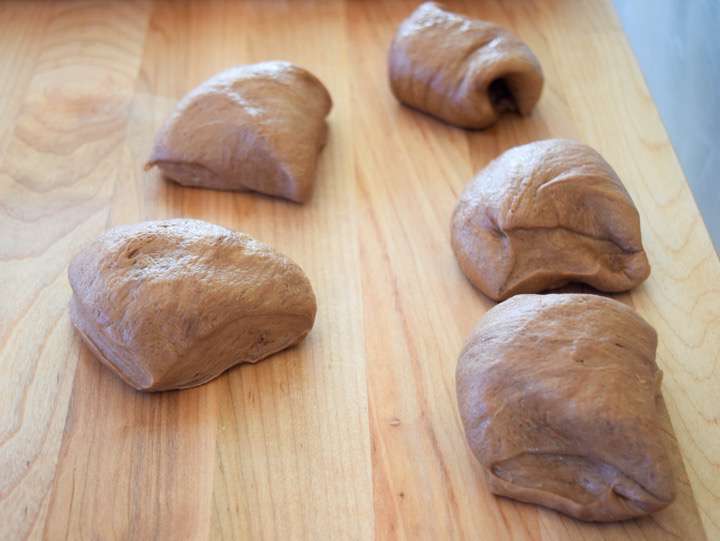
[(463, 71), (546, 214), (258, 127), (174, 303), (558, 396)]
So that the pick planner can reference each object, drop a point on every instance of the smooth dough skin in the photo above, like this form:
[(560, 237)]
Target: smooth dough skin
[(463, 71), (259, 127), (546, 214), (558, 396), (174, 303)]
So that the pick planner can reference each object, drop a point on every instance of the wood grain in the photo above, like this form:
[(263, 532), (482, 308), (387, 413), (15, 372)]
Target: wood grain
[(355, 433)]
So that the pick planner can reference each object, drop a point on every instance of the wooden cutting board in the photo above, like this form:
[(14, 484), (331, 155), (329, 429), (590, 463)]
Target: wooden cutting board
[(355, 433)]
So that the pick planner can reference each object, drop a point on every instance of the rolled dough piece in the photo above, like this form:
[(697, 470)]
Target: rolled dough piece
[(174, 303), (558, 396), (546, 214), (257, 127), (463, 71)]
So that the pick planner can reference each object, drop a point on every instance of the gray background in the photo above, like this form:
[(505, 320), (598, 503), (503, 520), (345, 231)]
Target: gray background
[(677, 44)]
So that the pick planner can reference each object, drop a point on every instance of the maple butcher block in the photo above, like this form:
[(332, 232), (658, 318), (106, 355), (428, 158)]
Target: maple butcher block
[(354, 433)]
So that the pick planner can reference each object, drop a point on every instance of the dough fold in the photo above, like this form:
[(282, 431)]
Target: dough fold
[(257, 127), (463, 71), (558, 396), (174, 303), (546, 214)]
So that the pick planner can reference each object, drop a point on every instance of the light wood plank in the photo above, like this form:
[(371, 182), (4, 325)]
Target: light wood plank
[(354, 434), (413, 283), (56, 180)]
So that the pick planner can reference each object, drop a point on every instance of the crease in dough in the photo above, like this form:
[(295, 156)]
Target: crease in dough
[(546, 214), (172, 304), (558, 395), (257, 127), (463, 71)]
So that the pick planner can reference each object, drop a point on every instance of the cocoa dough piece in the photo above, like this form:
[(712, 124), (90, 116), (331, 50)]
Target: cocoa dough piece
[(174, 303), (463, 71), (546, 214), (559, 396), (258, 127)]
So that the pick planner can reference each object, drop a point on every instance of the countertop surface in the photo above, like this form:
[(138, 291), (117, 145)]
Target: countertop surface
[(354, 433)]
